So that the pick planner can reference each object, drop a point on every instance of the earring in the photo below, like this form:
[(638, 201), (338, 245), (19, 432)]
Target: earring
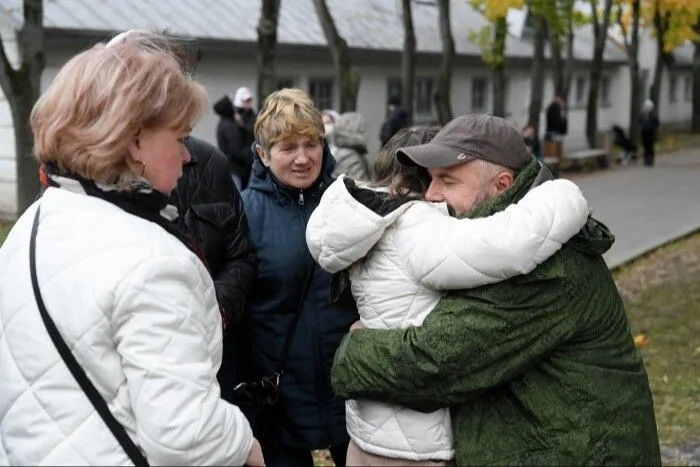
[(143, 171)]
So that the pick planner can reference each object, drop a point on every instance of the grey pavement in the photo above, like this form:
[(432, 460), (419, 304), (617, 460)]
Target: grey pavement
[(646, 207)]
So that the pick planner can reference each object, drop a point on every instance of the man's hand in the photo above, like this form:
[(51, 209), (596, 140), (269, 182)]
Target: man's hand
[(255, 458), (356, 325)]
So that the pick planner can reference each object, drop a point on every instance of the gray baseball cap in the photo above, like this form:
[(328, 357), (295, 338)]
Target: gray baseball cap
[(469, 137)]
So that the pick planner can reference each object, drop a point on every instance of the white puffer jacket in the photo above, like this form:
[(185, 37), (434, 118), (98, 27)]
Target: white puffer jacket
[(139, 312), (400, 262)]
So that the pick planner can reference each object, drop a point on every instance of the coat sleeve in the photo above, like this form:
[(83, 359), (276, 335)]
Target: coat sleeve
[(234, 283), (161, 336), (443, 252), (468, 343)]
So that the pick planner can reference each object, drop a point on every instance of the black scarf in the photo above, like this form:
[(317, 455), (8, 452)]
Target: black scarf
[(140, 199)]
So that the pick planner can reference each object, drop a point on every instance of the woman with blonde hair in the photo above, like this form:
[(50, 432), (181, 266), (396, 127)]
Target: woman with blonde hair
[(294, 329), (110, 325)]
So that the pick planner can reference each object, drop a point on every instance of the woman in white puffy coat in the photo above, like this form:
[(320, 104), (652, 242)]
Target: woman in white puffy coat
[(128, 295), (402, 252)]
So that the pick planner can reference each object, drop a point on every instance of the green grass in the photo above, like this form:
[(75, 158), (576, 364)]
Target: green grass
[(4, 230), (664, 305)]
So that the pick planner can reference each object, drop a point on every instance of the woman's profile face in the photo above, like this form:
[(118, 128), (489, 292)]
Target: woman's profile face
[(163, 152), (296, 162)]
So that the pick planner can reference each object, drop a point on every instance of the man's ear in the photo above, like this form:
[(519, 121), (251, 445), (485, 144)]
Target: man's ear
[(503, 181), (264, 157)]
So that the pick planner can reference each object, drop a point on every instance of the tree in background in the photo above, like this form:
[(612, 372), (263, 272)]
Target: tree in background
[(22, 88), (695, 124), (672, 23), (539, 10), (443, 95), (562, 20), (600, 20), (628, 18), (347, 75), (267, 45), (491, 39), (408, 60)]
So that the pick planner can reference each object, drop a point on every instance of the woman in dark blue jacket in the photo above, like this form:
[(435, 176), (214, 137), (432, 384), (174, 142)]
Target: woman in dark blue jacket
[(291, 170)]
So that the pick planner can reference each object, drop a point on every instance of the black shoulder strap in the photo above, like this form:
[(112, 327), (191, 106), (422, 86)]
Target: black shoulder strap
[(78, 373), (295, 320)]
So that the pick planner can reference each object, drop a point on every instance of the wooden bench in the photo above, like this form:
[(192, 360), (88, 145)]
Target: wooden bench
[(600, 155)]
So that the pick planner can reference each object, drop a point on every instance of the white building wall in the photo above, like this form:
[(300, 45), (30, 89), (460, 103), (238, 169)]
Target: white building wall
[(8, 166), (223, 73)]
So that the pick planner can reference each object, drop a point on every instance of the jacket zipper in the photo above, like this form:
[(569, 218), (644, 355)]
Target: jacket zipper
[(301, 198)]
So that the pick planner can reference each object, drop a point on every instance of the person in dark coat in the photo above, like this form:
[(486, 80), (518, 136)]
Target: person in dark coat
[(234, 133), (649, 123), (396, 119), (557, 122), (291, 170), (211, 213)]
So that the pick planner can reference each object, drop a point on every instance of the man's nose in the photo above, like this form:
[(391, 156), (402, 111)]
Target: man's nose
[(434, 194)]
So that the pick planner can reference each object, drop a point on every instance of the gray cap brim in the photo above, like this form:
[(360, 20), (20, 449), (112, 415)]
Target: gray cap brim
[(431, 156)]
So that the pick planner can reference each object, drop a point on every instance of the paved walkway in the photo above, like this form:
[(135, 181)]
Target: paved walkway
[(646, 207)]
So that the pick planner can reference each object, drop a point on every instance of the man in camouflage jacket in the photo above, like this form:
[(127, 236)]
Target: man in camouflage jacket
[(540, 369)]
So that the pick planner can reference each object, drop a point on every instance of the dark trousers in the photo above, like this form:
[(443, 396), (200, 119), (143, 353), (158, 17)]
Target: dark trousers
[(293, 457), (648, 140)]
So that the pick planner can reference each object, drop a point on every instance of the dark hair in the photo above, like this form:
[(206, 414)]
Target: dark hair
[(401, 179), (394, 100)]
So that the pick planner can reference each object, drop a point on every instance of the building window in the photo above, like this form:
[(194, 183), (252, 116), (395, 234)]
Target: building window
[(479, 86), (321, 92), (672, 88), (605, 91), (580, 90), (284, 83), (424, 96), (688, 89)]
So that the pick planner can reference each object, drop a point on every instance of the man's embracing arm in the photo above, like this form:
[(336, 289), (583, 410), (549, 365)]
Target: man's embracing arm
[(472, 340)]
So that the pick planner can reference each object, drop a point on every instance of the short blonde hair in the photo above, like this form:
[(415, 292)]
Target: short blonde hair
[(287, 113), (99, 101)]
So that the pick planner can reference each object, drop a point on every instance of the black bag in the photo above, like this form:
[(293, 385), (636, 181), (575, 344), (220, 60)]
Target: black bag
[(76, 370), (259, 399)]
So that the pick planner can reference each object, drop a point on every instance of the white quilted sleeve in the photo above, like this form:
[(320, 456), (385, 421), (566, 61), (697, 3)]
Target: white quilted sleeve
[(163, 331), (443, 252), (342, 230)]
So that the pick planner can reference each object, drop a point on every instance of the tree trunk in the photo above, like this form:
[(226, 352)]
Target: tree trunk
[(635, 83), (348, 77), (537, 73), (600, 29), (408, 61), (22, 88), (498, 73), (569, 67), (696, 89), (267, 43), (557, 62), (443, 95), (562, 71), (655, 91)]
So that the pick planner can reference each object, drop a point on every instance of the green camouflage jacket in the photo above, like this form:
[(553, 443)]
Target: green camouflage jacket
[(539, 369)]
